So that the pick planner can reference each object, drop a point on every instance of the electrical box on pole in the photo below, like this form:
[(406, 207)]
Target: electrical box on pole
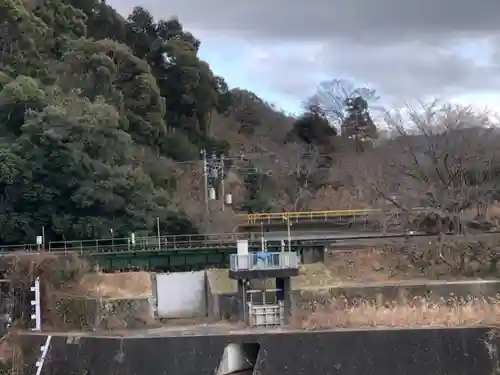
[(211, 194)]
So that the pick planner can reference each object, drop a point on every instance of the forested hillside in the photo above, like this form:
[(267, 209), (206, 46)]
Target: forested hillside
[(102, 120)]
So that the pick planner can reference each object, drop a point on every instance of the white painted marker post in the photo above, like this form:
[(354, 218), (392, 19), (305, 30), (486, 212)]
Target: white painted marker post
[(37, 316)]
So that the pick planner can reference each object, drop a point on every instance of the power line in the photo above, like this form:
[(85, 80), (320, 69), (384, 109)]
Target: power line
[(245, 157)]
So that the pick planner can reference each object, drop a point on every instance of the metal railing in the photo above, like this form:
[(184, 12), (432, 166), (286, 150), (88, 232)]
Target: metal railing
[(262, 260), (178, 242), (257, 218), (268, 315), (23, 248), (273, 217), (148, 244)]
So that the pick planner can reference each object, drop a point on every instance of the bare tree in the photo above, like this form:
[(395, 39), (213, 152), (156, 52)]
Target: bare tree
[(296, 167), (443, 160), (304, 170), (441, 165), (332, 96)]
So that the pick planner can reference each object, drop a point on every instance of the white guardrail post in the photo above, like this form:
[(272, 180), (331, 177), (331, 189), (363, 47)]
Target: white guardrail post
[(44, 349), (36, 306)]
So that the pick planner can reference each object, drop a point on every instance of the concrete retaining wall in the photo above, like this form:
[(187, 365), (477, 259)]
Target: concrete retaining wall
[(227, 306), (85, 314), (463, 351), (222, 306), (181, 294)]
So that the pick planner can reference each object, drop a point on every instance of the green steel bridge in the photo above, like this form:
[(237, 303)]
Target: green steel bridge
[(190, 252), (166, 253)]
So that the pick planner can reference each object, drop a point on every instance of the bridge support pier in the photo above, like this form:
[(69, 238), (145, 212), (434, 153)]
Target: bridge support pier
[(284, 295), (242, 283), (283, 292)]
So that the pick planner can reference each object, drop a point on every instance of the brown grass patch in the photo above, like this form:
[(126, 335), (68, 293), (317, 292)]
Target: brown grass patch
[(112, 285), (11, 354), (75, 297), (100, 301), (54, 270), (418, 312), (369, 265), (310, 275)]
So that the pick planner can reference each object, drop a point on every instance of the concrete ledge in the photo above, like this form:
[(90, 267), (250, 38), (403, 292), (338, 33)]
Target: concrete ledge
[(264, 273), (103, 313), (461, 351), (433, 291)]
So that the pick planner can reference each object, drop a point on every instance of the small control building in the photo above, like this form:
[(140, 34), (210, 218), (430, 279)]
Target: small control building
[(264, 306)]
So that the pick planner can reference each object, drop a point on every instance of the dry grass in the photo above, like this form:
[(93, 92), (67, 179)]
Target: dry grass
[(372, 265), (311, 275), (416, 313), (71, 291), (369, 265), (117, 285), (12, 358), (363, 266), (54, 270), (99, 301), (378, 264)]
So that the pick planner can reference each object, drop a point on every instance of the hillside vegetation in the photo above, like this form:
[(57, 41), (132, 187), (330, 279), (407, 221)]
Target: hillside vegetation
[(103, 118)]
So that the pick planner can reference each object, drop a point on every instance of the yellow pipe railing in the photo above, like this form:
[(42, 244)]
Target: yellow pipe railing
[(262, 217), (273, 216)]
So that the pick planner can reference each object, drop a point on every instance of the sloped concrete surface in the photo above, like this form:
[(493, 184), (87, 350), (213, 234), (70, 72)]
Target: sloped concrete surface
[(459, 351)]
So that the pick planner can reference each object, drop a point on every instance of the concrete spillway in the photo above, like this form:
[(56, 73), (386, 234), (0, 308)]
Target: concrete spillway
[(238, 358), (458, 351)]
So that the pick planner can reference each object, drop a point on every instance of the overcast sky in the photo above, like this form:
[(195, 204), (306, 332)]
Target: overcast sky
[(407, 50)]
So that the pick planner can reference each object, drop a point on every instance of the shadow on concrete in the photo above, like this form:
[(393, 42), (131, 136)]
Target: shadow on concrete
[(463, 351)]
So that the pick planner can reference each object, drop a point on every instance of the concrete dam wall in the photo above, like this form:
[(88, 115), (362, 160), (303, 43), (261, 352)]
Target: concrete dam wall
[(458, 351)]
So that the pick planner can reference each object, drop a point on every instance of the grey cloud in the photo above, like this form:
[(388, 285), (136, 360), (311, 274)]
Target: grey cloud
[(401, 72), (401, 47), (326, 19), (414, 69)]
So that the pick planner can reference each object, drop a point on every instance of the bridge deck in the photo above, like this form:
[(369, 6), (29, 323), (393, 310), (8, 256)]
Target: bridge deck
[(194, 242)]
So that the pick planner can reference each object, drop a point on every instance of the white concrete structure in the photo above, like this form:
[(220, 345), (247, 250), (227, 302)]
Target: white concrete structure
[(181, 294)]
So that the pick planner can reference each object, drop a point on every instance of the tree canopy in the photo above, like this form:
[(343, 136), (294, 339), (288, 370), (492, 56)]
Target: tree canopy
[(91, 106), (103, 118)]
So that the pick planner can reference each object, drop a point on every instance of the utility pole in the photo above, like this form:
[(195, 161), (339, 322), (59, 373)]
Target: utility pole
[(289, 232), (215, 172), (158, 232), (222, 181), (205, 177)]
